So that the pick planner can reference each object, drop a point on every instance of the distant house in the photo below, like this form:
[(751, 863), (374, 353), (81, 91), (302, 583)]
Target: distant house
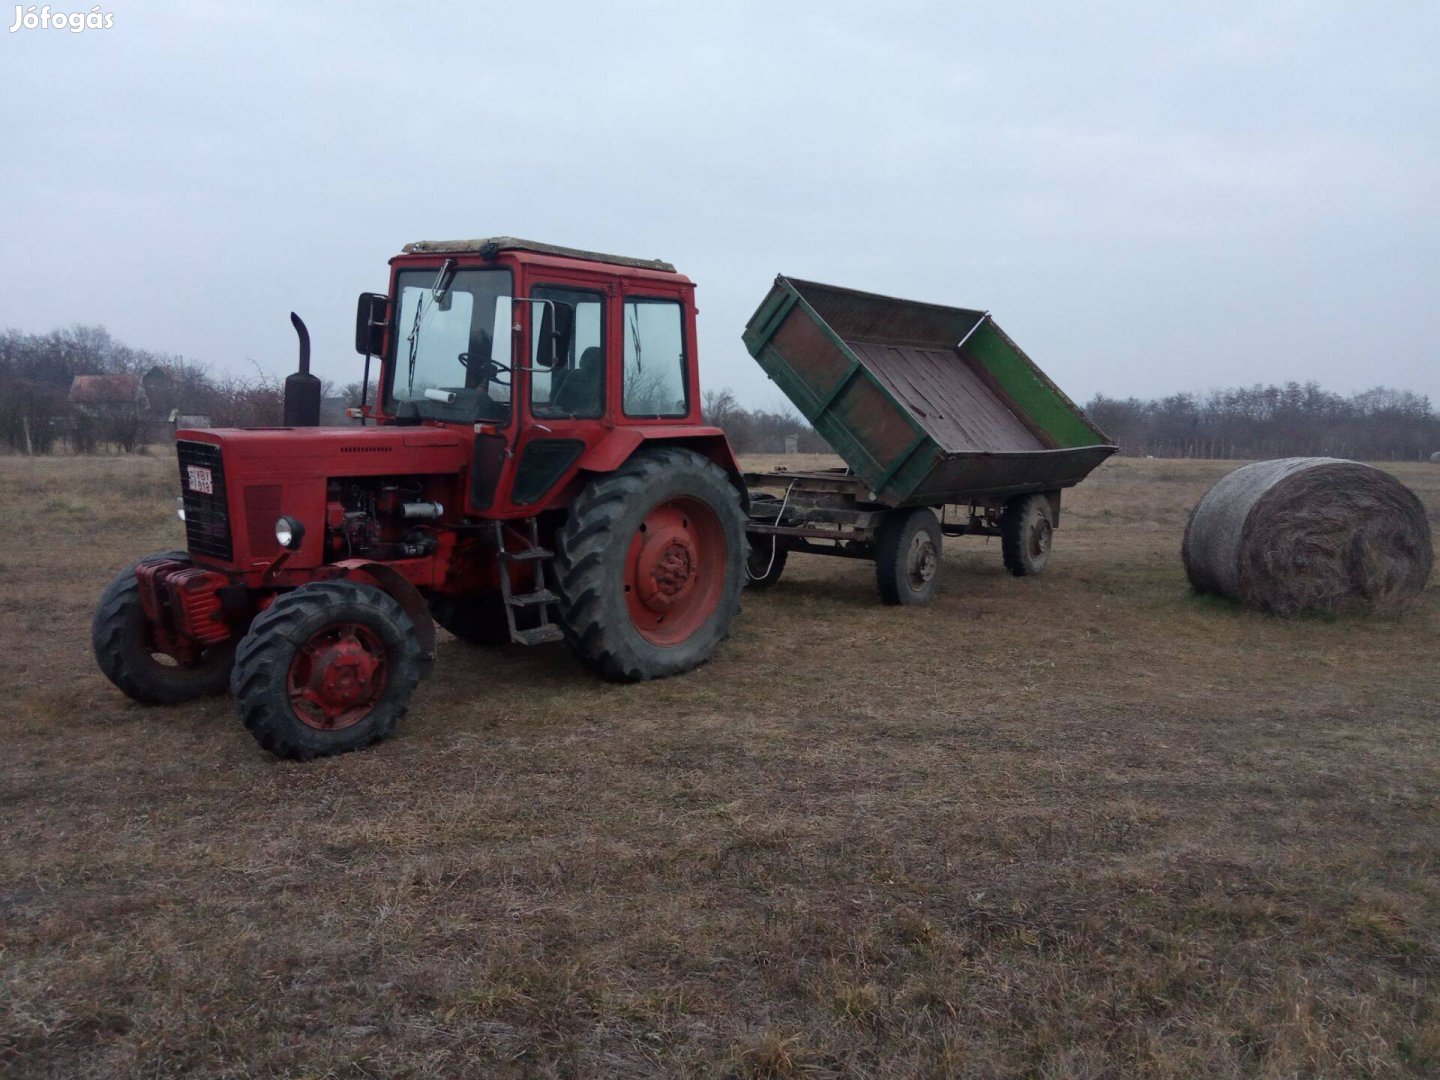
[(142, 408), (107, 395)]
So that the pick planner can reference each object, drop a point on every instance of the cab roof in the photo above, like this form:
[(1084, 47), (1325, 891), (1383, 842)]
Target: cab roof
[(492, 245)]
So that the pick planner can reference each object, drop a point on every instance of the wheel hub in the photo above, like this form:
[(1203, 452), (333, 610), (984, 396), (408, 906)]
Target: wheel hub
[(1040, 534), (923, 561), (666, 568), (674, 570), (337, 676), (345, 669)]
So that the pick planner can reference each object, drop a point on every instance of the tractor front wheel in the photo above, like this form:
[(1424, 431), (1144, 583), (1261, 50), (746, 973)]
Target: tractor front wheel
[(327, 668), (126, 652), (650, 564)]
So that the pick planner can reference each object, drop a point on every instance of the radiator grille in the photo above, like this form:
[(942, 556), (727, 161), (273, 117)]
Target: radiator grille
[(207, 519)]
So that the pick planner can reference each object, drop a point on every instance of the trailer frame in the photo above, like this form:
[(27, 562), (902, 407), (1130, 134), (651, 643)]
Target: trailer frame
[(832, 512)]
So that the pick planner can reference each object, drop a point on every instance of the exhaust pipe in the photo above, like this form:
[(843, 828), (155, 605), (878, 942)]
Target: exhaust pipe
[(302, 390)]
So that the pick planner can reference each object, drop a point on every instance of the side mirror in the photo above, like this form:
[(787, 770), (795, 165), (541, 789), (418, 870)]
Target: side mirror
[(551, 345), (372, 314)]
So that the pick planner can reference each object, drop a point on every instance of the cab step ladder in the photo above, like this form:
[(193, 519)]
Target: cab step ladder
[(538, 605)]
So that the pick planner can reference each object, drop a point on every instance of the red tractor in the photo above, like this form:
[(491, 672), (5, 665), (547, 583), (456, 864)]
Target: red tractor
[(534, 469)]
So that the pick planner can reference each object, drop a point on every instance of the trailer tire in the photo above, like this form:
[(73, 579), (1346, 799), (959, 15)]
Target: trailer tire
[(1027, 529), (660, 538), (291, 670), (907, 556), (117, 635), (476, 620), (766, 561)]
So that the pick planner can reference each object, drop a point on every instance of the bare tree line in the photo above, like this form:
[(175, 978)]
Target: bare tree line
[(38, 416), (1293, 420), (760, 431)]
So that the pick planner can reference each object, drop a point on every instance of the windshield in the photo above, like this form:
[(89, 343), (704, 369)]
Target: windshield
[(451, 355)]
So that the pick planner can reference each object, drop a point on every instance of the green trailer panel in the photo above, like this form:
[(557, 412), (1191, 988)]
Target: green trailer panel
[(925, 403)]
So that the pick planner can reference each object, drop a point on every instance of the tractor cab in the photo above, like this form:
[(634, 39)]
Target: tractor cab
[(552, 356)]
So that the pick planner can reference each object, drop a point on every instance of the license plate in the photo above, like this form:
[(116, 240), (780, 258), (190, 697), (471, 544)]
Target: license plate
[(198, 478)]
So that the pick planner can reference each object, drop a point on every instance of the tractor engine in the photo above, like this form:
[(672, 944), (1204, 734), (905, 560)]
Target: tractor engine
[(266, 511), (380, 519), (189, 608)]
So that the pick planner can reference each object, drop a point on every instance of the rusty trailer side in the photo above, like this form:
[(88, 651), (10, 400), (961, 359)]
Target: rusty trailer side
[(926, 404)]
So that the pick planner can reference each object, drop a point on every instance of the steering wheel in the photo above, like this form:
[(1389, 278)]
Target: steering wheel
[(488, 369)]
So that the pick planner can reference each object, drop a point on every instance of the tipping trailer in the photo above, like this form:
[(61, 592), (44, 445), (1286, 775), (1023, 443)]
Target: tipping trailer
[(946, 427)]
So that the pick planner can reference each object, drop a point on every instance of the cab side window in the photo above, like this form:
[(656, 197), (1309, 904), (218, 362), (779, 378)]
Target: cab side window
[(655, 359), (575, 386)]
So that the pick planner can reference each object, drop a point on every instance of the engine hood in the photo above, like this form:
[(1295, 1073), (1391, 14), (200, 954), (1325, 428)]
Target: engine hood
[(336, 451)]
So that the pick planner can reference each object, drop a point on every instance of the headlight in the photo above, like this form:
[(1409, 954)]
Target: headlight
[(180, 507), (289, 533)]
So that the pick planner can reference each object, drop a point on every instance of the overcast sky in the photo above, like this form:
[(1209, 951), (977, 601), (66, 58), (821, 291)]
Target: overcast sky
[(1150, 197)]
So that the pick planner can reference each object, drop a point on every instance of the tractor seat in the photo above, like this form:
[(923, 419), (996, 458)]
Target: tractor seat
[(580, 392)]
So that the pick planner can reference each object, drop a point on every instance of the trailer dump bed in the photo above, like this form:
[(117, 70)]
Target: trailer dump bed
[(926, 404)]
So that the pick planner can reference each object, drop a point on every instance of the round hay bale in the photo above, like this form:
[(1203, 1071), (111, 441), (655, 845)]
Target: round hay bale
[(1315, 535)]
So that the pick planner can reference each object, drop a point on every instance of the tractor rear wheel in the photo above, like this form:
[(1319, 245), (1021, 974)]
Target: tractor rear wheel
[(650, 564), (478, 620), (1027, 529), (907, 556), (125, 648), (327, 668)]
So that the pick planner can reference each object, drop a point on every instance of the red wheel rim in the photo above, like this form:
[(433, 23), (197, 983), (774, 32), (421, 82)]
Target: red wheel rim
[(337, 676), (675, 571)]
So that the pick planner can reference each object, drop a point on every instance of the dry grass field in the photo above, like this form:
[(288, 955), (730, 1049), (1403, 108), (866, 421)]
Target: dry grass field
[(1080, 825)]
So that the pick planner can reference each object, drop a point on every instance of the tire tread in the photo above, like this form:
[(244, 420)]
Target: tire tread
[(588, 533), (266, 646), (1012, 534)]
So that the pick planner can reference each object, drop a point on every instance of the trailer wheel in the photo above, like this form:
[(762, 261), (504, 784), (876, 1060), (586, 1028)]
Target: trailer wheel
[(477, 620), (649, 565), (125, 651), (1027, 529), (907, 556), (326, 668), (766, 561)]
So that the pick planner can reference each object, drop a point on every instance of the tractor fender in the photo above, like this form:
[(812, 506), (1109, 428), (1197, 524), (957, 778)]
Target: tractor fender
[(621, 443), (403, 593)]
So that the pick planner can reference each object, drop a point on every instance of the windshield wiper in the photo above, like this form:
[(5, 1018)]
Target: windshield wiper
[(414, 340), (635, 333), (444, 278)]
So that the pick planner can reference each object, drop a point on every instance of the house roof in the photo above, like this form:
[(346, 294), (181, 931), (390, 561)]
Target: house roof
[(104, 389)]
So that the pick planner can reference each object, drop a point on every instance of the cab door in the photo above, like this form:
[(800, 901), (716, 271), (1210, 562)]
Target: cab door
[(565, 390)]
